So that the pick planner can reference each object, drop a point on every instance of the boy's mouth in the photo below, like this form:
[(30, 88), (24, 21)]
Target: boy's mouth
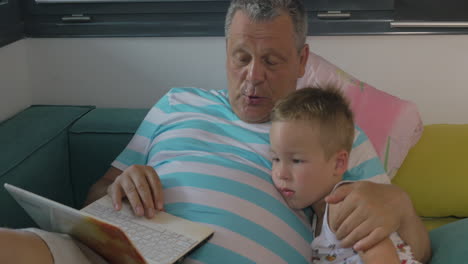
[(286, 192)]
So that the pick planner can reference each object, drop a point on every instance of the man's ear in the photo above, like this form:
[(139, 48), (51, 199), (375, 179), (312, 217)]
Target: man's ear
[(341, 162), (304, 56)]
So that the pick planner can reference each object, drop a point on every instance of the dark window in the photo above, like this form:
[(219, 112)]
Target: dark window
[(432, 10), (431, 16), (189, 18), (126, 18), (11, 26), (132, 18), (349, 17)]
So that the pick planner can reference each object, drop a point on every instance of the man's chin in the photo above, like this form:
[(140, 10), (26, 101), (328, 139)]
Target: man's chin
[(254, 115), (255, 119)]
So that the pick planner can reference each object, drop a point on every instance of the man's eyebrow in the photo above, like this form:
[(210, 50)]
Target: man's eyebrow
[(238, 50)]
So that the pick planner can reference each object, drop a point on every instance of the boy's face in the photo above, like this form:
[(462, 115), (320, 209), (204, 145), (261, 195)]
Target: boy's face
[(301, 172)]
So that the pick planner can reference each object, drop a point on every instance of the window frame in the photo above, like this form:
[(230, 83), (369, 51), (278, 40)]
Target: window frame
[(178, 18), (158, 18), (188, 18)]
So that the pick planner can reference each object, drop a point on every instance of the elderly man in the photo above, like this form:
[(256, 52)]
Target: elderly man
[(209, 150)]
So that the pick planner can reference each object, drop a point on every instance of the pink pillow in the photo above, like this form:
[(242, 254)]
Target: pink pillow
[(393, 125)]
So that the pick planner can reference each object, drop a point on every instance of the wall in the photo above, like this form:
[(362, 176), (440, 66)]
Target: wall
[(134, 72), (15, 93), (432, 71), (129, 72)]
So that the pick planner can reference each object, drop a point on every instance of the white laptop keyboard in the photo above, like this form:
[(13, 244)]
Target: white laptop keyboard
[(155, 243)]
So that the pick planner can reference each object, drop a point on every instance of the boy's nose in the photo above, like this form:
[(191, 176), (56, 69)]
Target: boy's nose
[(283, 172)]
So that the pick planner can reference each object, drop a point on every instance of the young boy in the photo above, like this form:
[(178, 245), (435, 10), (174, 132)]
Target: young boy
[(311, 137)]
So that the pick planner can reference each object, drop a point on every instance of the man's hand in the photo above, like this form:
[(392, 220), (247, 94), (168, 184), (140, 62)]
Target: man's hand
[(367, 214), (142, 187)]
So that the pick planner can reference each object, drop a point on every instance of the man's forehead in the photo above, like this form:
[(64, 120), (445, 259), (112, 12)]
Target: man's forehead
[(243, 40), (278, 27), (267, 35)]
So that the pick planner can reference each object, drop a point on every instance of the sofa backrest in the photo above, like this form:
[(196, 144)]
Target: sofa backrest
[(34, 155), (95, 141)]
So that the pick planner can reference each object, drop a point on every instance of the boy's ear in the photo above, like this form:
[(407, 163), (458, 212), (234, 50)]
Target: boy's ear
[(341, 162)]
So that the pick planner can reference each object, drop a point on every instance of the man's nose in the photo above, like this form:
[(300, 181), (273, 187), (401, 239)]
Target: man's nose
[(256, 72)]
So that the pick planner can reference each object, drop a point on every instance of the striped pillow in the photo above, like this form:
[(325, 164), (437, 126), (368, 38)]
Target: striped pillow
[(215, 169)]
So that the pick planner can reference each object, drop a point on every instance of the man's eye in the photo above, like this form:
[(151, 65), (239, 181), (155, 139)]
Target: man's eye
[(297, 161), (271, 61), (275, 159), (242, 59)]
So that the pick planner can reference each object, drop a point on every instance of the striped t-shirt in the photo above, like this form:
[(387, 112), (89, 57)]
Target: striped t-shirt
[(215, 169)]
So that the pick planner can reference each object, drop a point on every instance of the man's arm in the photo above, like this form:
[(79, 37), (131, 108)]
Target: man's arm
[(414, 233), (99, 189), (370, 212), (384, 252)]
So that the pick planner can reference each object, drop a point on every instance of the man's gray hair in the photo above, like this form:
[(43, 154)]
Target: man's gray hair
[(267, 10)]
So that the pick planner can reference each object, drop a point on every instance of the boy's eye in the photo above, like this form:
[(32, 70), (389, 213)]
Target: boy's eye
[(297, 161), (275, 159)]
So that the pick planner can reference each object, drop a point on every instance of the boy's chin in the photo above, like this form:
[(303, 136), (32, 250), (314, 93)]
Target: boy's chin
[(295, 206)]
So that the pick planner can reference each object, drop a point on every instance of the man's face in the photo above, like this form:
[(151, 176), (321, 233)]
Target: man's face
[(262, 64)]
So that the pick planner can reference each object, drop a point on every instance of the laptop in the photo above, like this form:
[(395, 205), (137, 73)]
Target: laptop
[(118, 236)]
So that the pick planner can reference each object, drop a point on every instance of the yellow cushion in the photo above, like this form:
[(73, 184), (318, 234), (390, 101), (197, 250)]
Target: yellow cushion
[(435, 172), (433, 223)]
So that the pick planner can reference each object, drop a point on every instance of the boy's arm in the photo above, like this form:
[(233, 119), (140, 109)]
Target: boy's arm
[(383, 252)]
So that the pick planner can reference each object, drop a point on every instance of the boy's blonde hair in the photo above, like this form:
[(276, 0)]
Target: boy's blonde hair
[(328, 108)]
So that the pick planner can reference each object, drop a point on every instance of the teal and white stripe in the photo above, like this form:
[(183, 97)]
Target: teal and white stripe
[(216, 170), (364, 164)]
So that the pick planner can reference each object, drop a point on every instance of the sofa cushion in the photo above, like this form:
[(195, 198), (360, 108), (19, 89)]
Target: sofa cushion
[(435, 172), (448, 243), (95, 141), (34, 156), (393, 125), (434, 222)]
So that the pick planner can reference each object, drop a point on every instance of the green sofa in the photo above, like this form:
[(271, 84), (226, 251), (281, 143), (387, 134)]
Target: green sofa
[(59, 151)]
